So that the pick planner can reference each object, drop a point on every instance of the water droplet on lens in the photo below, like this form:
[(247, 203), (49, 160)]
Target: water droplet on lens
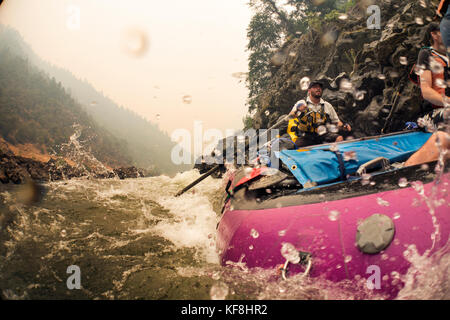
[(419, 69), (215, 275), (278, 59), (254, 233), (365, 179), (134, 42), (418, 186), (346, 86), (328, 38), (238, 75), (333, 215), (187, 99), (321, 130), (290, 253), (440, 83), (435, 66), (359, 95), (403, 182), (334, 147), (304, 83), (219, 291), (350, 155), (382, 202), (394, 74)]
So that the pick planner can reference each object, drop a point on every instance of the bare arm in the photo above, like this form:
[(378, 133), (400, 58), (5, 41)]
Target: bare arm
[(299, 107), (428, 92)]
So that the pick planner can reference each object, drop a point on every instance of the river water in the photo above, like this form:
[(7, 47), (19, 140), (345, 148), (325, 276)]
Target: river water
[(132, 239)]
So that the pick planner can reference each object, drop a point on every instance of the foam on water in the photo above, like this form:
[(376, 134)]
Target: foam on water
[(184, 222), (194, 222), (191, 221), (428, 278)]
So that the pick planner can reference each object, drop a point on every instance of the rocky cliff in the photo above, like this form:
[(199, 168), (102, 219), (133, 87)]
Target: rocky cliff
[(363, 69), (17, 169)]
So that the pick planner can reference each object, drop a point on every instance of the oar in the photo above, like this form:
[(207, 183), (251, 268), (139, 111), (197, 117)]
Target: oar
[(393, 108), (279, 122), (204, 176), (217, 166)]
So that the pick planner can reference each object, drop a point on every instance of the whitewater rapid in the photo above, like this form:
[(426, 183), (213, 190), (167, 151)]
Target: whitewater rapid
[(133, 239)]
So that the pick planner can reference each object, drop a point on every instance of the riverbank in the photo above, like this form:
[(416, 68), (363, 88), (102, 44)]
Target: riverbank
[(18, 165)]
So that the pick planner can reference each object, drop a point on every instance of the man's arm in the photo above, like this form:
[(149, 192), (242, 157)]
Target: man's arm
[(335, 119), (300, 106), (428, 93)]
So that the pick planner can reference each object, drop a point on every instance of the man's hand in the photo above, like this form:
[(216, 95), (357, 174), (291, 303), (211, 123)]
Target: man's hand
[(301, 107), (347, 127)]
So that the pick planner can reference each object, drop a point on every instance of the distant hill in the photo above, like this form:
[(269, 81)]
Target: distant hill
[(147, 146), (36, 109)]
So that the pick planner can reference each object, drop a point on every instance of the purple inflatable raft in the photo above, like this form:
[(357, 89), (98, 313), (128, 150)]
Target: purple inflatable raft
[(344, 230)]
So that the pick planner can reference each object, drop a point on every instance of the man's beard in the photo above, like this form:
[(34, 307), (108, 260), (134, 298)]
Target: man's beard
[(317, 95)]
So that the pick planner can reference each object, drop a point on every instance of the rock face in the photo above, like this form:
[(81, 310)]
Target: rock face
[(130, 172), (16, 169), (363, 69)]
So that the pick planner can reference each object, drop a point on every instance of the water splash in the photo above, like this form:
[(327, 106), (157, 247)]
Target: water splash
[(427, 278), (84, 160)]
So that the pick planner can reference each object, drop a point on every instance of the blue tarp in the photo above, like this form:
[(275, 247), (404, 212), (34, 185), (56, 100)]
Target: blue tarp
[(321, 165)]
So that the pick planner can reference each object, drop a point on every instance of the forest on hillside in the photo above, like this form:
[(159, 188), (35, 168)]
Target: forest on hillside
[(139, 142), (36, 109)]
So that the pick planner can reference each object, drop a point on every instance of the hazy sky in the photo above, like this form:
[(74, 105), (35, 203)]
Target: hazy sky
[(193, 49)]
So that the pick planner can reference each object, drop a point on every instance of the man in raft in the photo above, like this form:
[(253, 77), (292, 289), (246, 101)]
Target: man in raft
[(314, 120), (435, 91)]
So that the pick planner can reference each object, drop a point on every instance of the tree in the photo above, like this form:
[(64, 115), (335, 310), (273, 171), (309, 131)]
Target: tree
[(264, 36), (273, 22)]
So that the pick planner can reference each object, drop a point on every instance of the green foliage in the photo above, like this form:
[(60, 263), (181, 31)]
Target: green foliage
[(264, 35), (275, 21), (248, 122)]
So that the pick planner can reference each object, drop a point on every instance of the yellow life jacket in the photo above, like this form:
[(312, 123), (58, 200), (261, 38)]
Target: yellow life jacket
[(307, 121)]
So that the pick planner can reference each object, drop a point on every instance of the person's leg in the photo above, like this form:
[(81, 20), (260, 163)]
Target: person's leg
[(430, 150), (306, 140), (330, 137)]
